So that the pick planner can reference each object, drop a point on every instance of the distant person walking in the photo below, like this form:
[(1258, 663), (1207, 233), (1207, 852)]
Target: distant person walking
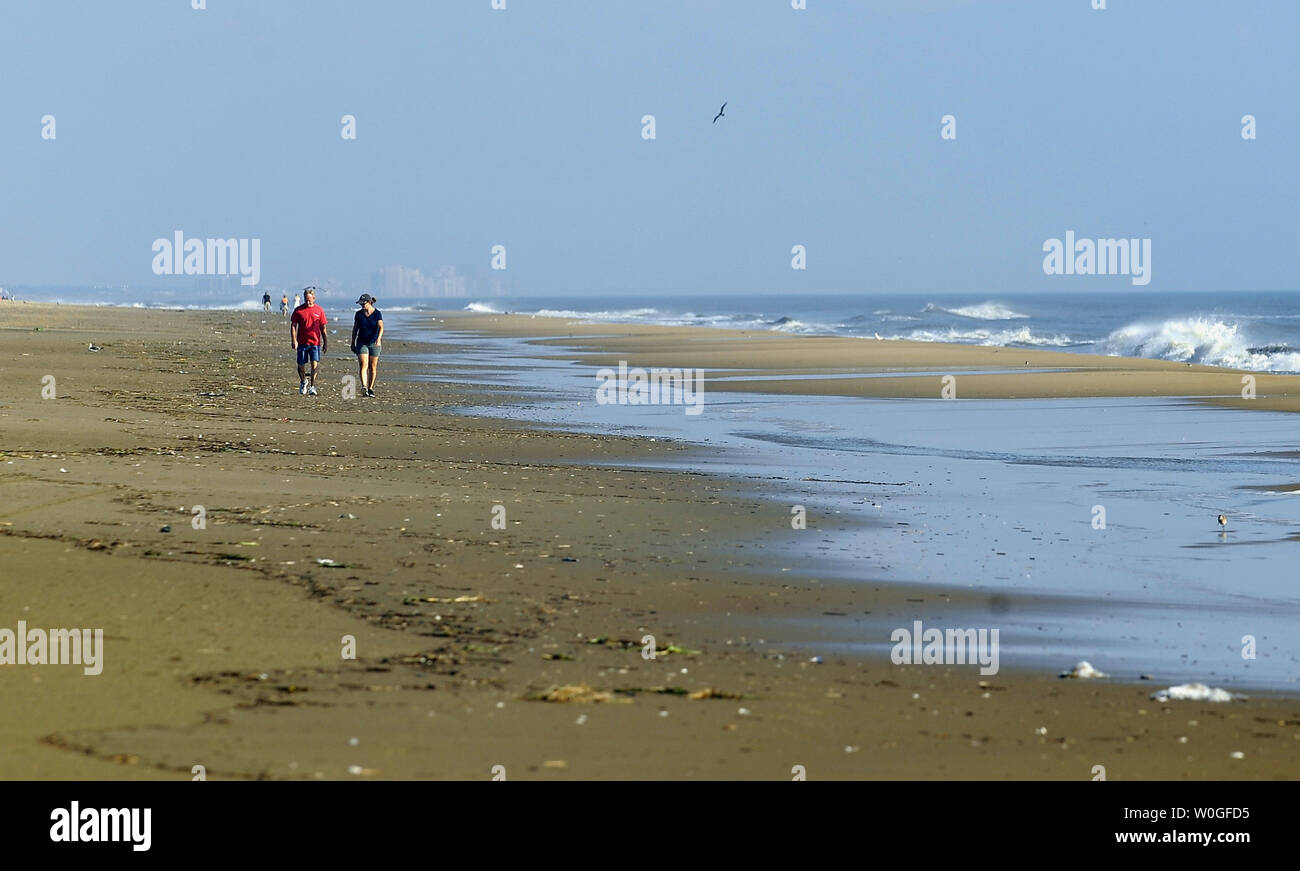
[(266, 302), (367, 333), (309, 338), (295, 300), (284, 305)]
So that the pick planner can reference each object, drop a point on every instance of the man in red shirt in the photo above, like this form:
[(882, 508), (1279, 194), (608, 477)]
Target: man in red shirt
[(310, 341)]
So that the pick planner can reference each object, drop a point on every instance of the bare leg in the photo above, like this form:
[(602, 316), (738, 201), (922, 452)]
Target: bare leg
[(361, 364), (315, 367), (374, 371)]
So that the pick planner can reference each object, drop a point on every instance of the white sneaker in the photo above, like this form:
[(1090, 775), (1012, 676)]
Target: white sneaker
[(302, 388), (312, 390)]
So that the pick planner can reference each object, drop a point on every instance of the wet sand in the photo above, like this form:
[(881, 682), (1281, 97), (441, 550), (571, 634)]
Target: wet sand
[(477, 646), (752, 361)]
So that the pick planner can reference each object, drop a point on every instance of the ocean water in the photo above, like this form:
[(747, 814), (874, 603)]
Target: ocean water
[(992, 498), (995, 500), (1258, 331), (1255, 331)]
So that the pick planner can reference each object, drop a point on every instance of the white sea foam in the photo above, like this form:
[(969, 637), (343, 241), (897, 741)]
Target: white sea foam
[(616, 315), (1018, 336), (1191, 339), (1198, 339), (245, 305), (1195, 692), (984, 311), (794, 325), (1084, 670)]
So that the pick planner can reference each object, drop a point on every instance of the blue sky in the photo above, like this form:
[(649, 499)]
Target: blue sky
[(522, 127)]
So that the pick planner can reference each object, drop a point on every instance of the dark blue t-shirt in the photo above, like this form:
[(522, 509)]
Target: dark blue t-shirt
[(367, 326)]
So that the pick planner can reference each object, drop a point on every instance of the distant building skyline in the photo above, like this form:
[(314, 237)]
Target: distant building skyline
[(411, 283)]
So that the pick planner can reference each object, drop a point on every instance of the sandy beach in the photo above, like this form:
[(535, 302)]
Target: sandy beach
[(498, 578), (754, 361)]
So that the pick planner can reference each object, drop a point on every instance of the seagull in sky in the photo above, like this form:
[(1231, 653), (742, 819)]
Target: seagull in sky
[(720, 115)]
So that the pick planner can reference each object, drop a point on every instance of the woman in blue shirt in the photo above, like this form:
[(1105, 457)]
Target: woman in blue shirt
[(367, 333)]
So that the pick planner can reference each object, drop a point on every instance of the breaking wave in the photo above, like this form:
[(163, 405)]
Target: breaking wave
[(985, 311), (1200, 340), (1019, 336), (634, 314)]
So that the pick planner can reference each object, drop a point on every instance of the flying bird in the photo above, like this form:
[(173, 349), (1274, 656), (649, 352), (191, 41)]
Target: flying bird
[(720, 115)]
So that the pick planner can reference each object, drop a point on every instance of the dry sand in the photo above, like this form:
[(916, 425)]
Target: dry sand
[(223, 645)]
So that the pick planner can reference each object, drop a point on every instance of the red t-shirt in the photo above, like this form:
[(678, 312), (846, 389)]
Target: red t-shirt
[(310, 321)]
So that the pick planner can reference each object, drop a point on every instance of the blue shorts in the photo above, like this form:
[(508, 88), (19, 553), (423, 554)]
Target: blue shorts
[(308, 352)]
